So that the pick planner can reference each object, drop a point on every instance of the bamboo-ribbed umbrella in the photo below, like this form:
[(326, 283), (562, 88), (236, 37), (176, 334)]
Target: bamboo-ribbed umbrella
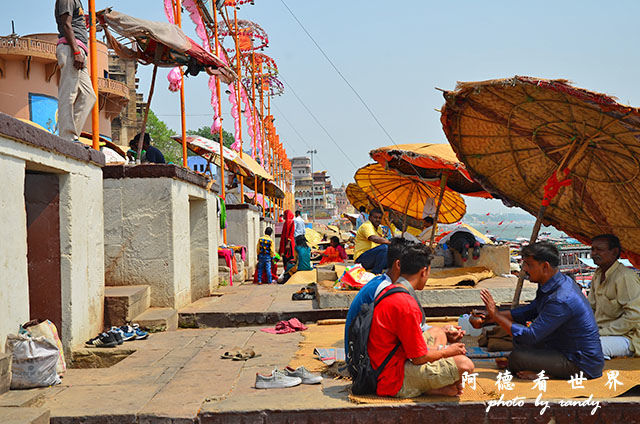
[(568, 155), (357, 197), (431, 162), (407, 195)]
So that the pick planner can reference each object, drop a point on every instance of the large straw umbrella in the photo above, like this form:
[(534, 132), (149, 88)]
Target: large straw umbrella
[(567, 155)]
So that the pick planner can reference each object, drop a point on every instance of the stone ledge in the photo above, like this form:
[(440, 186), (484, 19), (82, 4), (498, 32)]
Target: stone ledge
[(154, 170), (24, 415), (25, 133), (242, 206)]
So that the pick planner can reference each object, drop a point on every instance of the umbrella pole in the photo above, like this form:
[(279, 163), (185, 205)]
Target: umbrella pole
[(443, 184), (146, 114), (221, 139), (238, 93), (93, 60), (534, 237)]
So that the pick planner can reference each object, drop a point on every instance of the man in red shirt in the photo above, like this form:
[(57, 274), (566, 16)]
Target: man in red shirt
[(416, 367)]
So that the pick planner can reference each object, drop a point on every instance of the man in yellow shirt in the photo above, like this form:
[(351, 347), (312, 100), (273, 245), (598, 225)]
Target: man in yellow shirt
[(615, 299), (371, 246)]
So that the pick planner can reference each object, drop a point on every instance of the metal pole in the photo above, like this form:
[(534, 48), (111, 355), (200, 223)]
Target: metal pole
[(93, 61), (183, 118), (238, 94), (222, 187)]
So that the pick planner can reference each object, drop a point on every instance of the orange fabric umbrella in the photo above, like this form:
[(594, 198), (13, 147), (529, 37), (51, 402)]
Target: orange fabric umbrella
[(430, 162)]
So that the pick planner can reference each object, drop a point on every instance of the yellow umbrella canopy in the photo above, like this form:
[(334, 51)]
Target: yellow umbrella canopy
[(408, 195), (529, 139), (357, 197)]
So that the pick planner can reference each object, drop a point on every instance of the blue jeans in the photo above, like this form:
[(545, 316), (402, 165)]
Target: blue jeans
[(264, 262), (374, 260)]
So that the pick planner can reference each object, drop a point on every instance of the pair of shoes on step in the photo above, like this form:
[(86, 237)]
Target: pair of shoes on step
[(117, 335), (287, 377)]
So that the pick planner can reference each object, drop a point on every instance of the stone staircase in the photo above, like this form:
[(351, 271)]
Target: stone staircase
[(17, 406), (123, 304)]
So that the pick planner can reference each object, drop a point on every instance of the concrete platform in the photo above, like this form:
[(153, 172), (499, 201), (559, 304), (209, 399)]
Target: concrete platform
[(251, 304), (502, 289), (124, 303), (158, 319), (24, 416)]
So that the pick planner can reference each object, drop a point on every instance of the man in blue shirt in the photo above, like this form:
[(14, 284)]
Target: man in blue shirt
[(563, 337), (368, 293)]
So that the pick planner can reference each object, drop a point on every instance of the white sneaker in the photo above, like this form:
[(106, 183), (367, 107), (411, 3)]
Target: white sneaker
[(277, 380), (304, 374)]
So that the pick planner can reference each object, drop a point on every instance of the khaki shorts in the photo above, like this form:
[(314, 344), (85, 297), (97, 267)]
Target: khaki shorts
[(419, 379)]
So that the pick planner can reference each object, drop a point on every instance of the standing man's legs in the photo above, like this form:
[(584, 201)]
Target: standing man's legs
[(261, 266), (85, 99), (75, 95)]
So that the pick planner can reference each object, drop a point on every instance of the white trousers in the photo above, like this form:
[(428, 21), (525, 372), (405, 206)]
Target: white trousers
[(75, 94), (613, 346)]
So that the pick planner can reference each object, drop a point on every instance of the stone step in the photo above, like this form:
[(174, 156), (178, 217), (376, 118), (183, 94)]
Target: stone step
[(5, 372), (158, 319), (123, 303), (24, 415)]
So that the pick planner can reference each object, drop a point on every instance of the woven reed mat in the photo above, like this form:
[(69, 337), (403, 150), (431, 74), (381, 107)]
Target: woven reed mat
[(486, 388), (454, 276), (303, 277)]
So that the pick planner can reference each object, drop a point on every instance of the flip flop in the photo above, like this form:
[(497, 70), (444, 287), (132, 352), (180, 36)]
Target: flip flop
[(231, 353), (245, 354)]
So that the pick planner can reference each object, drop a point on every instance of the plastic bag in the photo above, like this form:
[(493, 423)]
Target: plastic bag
[(34, 361), (354, 278), (48, 330)]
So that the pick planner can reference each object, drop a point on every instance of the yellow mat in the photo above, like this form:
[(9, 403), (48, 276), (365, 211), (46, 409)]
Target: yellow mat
[(303, 277), (486, 388), (454, 276)]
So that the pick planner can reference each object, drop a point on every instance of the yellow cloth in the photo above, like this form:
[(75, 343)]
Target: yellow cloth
[(363, 243), (266, 238), (615, 300)]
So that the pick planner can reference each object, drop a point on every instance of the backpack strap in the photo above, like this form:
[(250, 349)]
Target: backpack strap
[(389, 292)]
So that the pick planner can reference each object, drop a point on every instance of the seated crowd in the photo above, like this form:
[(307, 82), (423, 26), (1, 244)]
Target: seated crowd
[(561, 332)]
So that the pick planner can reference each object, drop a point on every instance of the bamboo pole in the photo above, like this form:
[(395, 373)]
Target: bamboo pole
[(183, 118), (93, 60), (238, 93), (146, 114), (253, 114), (434, 227), (221, 138)]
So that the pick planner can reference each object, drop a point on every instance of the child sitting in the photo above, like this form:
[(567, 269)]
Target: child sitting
[(266, 253)]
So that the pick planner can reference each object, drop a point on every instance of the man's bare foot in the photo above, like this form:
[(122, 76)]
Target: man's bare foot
[(527, 375), (450, 390)]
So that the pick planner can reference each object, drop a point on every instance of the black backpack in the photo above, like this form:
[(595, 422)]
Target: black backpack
[(364, 377)]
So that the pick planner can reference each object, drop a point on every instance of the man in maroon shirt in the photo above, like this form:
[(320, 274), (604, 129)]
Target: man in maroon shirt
[(416, 367)]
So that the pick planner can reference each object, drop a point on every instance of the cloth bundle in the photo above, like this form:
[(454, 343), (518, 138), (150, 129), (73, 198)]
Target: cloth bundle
[(495, 339)]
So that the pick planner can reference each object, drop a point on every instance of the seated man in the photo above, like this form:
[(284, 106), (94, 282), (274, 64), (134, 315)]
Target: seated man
[(417, 367), (615, 299), (563, 338), (427, 224), (367, 294), (371, 247)]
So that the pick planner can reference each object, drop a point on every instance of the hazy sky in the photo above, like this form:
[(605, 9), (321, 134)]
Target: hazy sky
[(394, 54)]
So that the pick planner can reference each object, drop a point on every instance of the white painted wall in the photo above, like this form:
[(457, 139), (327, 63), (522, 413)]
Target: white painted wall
[(81, 241), (147, 238), (14, 280)]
